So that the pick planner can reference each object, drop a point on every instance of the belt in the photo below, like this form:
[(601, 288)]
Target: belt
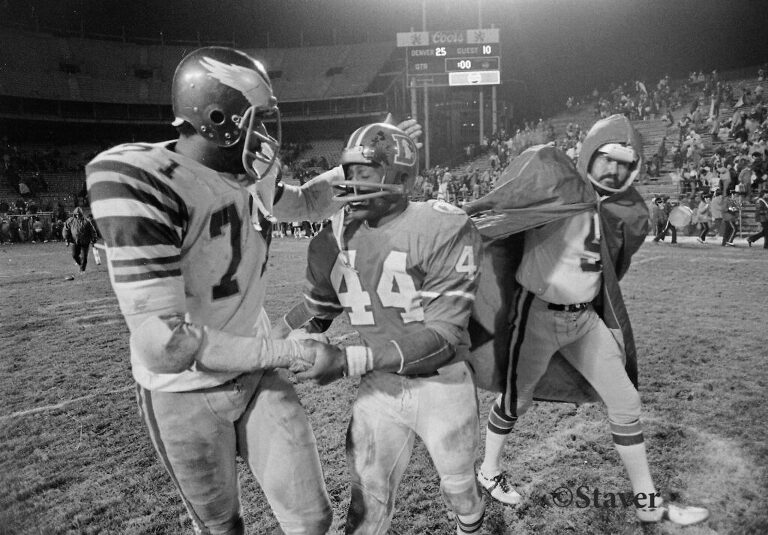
[(576, 307)]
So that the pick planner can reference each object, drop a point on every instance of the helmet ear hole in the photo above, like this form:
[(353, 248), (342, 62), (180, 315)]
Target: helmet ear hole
[(217, 117)]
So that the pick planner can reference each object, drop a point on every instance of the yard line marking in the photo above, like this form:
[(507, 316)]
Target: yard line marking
[(644, 260), (63, 403)]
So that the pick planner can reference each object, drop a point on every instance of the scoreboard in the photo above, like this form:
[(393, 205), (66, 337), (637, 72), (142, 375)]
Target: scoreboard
[(465, 57)]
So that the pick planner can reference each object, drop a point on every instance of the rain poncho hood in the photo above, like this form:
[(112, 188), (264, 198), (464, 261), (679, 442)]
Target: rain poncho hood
[(613, 129)]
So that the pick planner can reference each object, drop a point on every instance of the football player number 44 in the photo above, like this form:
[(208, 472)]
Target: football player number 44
[(395, 289)]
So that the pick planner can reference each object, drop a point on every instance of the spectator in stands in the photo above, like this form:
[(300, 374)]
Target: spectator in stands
[(427, 188), (13, 230), (761, 217), (443, 193), (79, 234), (296, 229), (759, 170), (60, 212), (744, 181), (57, 230), (726, 179), (38, 231), (687, 182)]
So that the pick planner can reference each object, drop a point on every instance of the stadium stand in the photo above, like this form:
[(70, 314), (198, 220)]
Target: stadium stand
[(69, 80)]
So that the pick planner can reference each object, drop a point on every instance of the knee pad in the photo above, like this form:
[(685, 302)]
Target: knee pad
[(461, 494)]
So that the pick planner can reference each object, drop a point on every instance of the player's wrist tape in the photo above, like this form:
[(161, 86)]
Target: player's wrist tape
[(359, 360), (289, 349)]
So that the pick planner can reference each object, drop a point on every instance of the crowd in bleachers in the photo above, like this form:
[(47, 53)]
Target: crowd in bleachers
[(27, 221), (738, 163)]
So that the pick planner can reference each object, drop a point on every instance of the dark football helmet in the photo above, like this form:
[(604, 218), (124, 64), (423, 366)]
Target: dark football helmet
[(385, 145), (225, 94)]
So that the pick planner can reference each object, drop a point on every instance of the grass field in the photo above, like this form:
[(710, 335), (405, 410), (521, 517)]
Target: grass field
[(75, 457)]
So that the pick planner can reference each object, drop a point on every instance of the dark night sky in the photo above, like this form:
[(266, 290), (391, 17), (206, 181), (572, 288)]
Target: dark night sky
[(551, 48)]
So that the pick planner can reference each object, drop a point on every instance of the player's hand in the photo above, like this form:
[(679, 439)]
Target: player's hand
[(281, 329), (328, 366), (413, 129), (302, 334)]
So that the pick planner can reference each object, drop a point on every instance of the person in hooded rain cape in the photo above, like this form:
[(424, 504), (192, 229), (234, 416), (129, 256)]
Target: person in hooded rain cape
[(549, 321)]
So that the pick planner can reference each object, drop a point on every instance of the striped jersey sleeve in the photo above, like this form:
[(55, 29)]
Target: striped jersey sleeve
[(142, 219), (320, 296), (450, 284)]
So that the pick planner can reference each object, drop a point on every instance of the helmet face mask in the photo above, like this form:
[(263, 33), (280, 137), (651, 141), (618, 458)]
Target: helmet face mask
[(367, 198), (224, 95), (391, 152), (259, 162)]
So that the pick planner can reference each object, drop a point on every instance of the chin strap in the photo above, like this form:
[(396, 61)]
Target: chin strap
[(263, 195)]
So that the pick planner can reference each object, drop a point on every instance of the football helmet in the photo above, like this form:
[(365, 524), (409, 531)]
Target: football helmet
[(387, 146), (224, 94)]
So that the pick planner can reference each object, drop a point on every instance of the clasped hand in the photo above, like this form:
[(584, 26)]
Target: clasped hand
[(321, 362)]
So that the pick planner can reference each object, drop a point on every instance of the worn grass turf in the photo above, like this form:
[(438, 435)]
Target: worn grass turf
[(75, 458)]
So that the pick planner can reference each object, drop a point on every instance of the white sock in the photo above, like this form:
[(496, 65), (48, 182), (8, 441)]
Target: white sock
[(636, 463), (494, 447)]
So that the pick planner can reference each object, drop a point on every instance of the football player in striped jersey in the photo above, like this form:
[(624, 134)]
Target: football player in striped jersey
[(405, 274), (187, 266)]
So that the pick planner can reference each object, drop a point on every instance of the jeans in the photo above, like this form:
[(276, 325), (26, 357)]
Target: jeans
[(663, 233), (729, 231), (704, 231)]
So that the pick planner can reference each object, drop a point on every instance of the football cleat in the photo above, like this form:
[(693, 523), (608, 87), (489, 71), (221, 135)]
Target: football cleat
[(677, 514), (499, 488)]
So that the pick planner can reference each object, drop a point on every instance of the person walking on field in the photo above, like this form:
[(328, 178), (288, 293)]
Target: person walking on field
[(704, 214), (730, 213), (79, 233), (761, 216)]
